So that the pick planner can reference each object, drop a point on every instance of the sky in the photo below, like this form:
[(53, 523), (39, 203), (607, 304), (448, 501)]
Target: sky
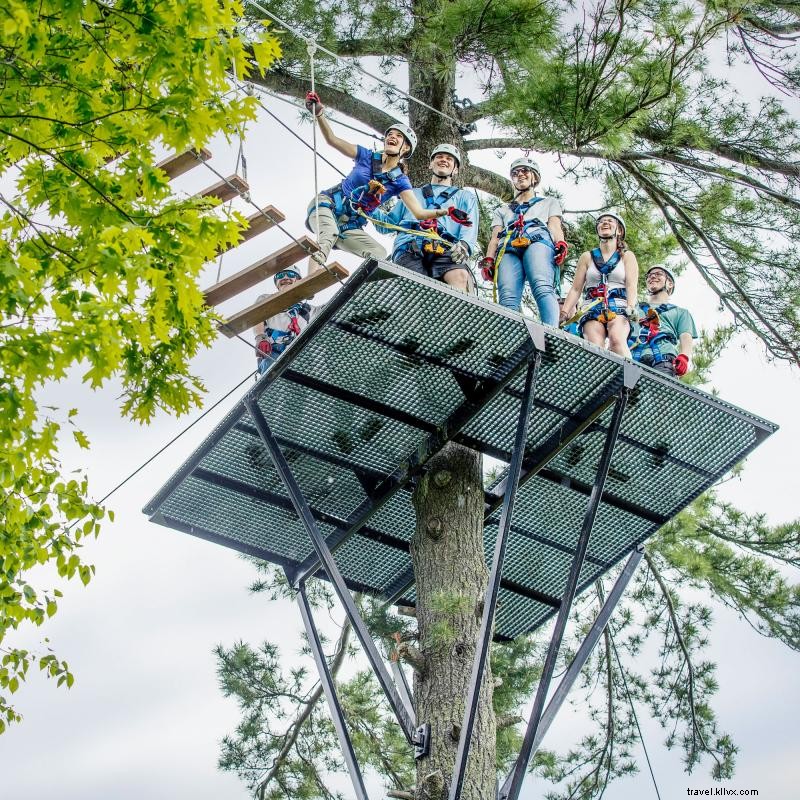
[(145, 716)]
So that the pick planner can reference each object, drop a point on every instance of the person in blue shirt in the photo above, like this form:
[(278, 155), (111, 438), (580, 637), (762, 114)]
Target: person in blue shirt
[(338, 215), (446, 261)]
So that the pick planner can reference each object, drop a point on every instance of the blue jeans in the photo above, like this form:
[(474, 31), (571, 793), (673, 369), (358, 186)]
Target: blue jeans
[(536, 265)]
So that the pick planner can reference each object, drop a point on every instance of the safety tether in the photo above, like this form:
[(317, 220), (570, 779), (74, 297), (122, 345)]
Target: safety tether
[(311, 48)]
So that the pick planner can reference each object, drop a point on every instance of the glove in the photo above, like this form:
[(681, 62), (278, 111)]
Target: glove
[(263, 346), (314, 104), (487, 268), (681, 364), (459, 253), (459, 216), (428, 224), (562, 248)]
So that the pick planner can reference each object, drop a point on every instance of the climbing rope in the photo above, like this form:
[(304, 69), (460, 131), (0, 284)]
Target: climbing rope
[(258, 88), (358, 67), (311, 48)]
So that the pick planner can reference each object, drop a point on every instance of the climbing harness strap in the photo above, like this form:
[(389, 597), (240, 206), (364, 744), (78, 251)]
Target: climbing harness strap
[(651, 335), (605, 267)]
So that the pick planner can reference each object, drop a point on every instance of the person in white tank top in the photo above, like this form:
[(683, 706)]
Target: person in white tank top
[(607, 277)]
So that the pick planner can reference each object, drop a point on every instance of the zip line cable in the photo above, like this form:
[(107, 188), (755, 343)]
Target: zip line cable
[(311, 48), (635, 717), (168, 444), (357, 67)]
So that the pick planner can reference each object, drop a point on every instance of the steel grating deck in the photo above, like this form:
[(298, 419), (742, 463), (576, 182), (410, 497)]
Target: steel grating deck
[(396, 364)]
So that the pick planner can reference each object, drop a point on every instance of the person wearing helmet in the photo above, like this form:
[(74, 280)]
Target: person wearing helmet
[(447, 260), (274, 335), (667, 333), (338, 215), (607, 277), (528, 243)]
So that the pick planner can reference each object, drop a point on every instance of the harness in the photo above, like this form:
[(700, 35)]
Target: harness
[(365, 198), (601, 292), (432, 246), (650, 333), (279, 339), (521, 233), (525, 231)]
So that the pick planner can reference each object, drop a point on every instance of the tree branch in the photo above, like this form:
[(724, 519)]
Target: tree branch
[(663, 201), (294, 729), (488, 181), (370, 46), (496, 143), (732, 175), (290, 85), (725, 150), (684, 649), (475, 112)]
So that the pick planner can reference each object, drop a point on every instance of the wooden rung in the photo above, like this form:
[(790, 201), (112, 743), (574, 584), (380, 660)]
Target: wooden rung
[(178, 163), (226, 190), (263, 268), (257, 223), (280, 301)]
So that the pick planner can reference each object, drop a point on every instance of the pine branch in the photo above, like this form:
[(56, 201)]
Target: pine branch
[(293, 731), (664, 202), (675, 624)]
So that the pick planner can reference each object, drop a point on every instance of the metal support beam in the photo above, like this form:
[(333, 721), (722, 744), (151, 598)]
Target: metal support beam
[(405, 716), (402, 682), (513, 785), (585, 650), (490, 598), (329, 689)]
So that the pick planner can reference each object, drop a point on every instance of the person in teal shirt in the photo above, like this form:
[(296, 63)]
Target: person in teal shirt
[(445, 262), (666, 332)]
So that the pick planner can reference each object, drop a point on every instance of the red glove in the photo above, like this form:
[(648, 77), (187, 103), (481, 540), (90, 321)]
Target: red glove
[(562, 248), (263, 347), (428, 224), (681, 364), (459, 216), (487, 268), (314, 104)]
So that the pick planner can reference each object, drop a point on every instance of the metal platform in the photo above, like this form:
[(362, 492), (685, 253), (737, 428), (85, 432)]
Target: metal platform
[(394, 367)]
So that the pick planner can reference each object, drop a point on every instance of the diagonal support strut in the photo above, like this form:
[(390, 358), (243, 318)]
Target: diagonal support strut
[(490, 599), (329, 688), (513, 784), (405, 715)]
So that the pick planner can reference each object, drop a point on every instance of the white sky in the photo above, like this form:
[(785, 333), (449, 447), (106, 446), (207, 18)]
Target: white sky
[(145, 715)]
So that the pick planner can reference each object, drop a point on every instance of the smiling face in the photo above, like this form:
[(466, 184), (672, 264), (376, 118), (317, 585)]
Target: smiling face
[(607, 227), (395, 144), (443, 165), (523, 179), (657, 281), (283, 280)]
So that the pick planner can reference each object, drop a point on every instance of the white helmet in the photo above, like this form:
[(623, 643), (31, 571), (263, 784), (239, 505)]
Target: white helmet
[(450, 150), (407, 131), (614, 216), (529, 163)]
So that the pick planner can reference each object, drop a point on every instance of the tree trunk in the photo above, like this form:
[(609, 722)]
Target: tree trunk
[(451, 575)]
